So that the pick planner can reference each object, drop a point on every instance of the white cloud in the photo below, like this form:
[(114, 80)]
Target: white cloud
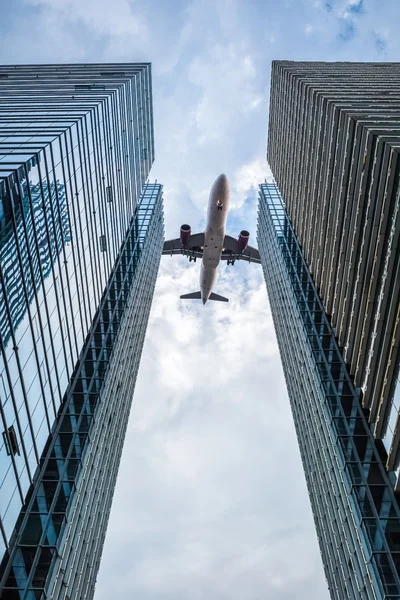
[(177, 48), (350, 6), (251, 175), (119, 18), (229, 87), (247, 178)]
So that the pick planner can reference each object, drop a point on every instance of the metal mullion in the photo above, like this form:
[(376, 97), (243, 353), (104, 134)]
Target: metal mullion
[(129, 149), (2, 530), (35, 237), (121, 177), (116, 114), (80, 238), (3, 417), (60, 483), (50, 512), (79, 115), (124, 198), (110, 206), (42, 279), (147, 161), (141, 129), (116, 175), (13, 399), (89, 179), (100, 166), (302, 176), (121, 226), (91, 221), (20, 371), (150, 96), (113, 173), (135, 153), (76, 264), (27, 592), (118, 166), (132, 162), (67, 287), (35, 295), (147, 127), (59, 310), (96, 162)]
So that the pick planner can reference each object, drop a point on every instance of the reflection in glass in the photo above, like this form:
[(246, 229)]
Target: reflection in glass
[(38, 252), (64, 174)]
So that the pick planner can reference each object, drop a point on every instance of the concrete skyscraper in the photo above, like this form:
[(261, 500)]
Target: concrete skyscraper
[(81, 233), (328, 235)]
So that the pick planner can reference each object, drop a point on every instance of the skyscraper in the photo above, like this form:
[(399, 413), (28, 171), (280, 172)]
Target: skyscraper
[(81, 233), (328, 236)]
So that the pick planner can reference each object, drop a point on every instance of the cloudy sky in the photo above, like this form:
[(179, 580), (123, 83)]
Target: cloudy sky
[(211, 500)]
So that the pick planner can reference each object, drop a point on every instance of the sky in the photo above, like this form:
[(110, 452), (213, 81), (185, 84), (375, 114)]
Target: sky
[(211, 500)]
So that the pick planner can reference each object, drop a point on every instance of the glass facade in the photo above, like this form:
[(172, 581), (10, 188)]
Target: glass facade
[(81, 234), (42, 261), (354, 504), (333, 139)]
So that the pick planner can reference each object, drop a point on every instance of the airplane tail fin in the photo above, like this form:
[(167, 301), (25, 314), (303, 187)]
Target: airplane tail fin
[(192, 296), (218, 297)]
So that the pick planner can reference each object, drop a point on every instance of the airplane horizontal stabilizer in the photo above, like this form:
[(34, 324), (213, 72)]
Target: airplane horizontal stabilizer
[(192, 296), (218, 297)]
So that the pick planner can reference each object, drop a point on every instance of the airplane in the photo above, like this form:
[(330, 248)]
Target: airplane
[(213, 245)]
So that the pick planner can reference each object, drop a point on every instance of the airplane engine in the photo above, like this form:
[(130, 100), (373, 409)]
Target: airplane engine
[(243, 240), (185, 234)]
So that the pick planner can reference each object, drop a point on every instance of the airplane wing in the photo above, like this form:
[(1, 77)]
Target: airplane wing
[(231, 252), (193, 248)]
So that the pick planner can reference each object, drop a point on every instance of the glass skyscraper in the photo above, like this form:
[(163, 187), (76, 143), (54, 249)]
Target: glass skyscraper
[(328, 235), (81, 233)]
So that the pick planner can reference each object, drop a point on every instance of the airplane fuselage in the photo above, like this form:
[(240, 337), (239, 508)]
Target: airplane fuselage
[(213, 245), (214, 235)]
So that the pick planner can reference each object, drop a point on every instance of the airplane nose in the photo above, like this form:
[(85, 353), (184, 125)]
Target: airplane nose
[(221, 184), (222, 180)]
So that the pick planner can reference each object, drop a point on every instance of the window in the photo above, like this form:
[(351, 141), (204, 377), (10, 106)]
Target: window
[(103, 243), (93, 86), (109, 193), (144, 153), (113, 74), (10, 441)]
